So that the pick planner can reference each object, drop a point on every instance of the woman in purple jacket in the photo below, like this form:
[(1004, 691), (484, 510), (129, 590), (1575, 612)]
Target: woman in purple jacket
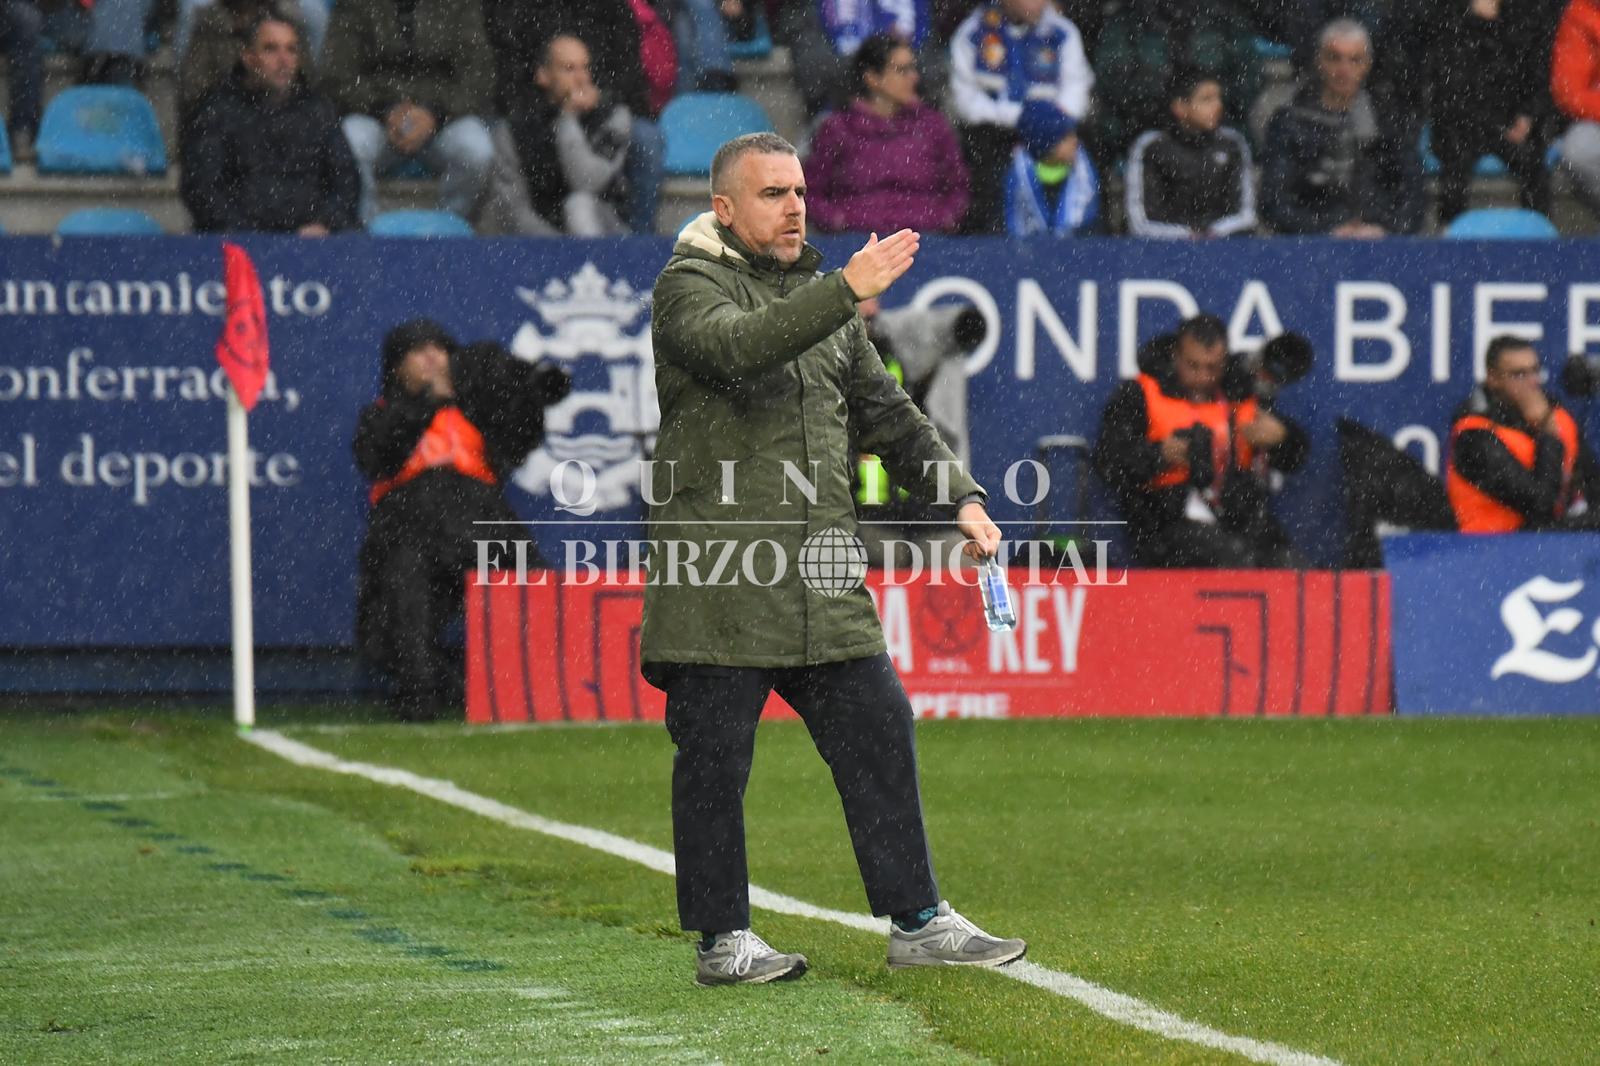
[(888, 161)]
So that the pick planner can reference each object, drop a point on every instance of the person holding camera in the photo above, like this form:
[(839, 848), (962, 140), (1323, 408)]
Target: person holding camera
[(1189, 460), (924, 349), (451, 423), (1518, 460)]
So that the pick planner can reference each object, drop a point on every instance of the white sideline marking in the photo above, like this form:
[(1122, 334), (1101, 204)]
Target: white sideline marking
[(1116, 1006)]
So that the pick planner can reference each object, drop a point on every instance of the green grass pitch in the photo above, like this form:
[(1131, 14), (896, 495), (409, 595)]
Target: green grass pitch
[(1370, 891)]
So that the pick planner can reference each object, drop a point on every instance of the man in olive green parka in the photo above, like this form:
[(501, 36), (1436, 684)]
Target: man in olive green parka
[(768, 388)]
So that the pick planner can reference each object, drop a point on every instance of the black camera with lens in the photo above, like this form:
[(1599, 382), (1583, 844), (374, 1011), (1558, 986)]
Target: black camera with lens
[(921, 338), (1202, 467), (1283, 360), (1580, 376)]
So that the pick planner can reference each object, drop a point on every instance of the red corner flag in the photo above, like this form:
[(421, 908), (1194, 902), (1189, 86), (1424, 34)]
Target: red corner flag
[(242, 348)]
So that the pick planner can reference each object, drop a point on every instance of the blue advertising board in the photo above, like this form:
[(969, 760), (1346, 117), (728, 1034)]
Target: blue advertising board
[(112, 510), (1498, 625)]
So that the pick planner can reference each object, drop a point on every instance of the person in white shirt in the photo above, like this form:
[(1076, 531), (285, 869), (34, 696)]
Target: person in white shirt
[(1004, 54)]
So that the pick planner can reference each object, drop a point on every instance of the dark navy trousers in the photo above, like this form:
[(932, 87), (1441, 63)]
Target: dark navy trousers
[(861, 723)]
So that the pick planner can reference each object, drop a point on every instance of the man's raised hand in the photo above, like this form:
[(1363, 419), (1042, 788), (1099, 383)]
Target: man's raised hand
[(880, 263)]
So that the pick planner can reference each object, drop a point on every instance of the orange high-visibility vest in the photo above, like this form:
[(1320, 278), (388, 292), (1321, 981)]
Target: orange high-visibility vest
[(1166, 415), (1476, 510), (450, 440)]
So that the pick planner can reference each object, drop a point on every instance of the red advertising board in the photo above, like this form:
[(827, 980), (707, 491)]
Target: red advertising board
[(1182, 643)]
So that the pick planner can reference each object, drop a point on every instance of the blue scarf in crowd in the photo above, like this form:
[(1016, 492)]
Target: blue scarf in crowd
[(1028, 213)]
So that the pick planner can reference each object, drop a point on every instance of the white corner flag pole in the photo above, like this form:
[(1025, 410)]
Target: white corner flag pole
[(244, 664)]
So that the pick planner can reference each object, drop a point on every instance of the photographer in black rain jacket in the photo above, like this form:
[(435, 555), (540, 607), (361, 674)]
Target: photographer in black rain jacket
[(451, 422), (1189, 462)]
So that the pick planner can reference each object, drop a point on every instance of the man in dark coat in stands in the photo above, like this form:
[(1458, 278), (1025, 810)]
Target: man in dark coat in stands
[(264, 152), (451, 423), (1488, 68), (1338, 161), (414, 80)]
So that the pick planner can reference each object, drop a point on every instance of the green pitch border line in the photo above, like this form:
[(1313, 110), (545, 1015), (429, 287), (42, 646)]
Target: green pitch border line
[(362, 925), (1116, 1006)]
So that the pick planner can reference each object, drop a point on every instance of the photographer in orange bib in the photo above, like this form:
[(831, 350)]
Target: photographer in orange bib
[(1518, 461)]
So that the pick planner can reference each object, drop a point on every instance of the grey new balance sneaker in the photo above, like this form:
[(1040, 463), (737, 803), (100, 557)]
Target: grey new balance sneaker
[(950, 940), (742, 958)]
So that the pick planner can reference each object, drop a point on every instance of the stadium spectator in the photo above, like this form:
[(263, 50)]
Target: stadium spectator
[(888, 161), (752, 345), (266, 153), (1192, 178), (1002, 55), (115, 40), (1332, 163), (212, 47), (1518, 460), (21, 26), (823, 36), (658, 56), (1052, 187), (1490, 94), (1302, 21), (1188, 466), (311, 14), (1395, 32), (700, 30), (559, 153), (450, 423), (519, 31), (946, 15), (1575, 84), (1144, 41), (412, 78)]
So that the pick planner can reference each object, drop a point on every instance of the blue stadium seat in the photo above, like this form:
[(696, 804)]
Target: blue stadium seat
[(419, 224), (1267, 48), (108, 222), (695, 125), (759, 46), (1488, 166), (5, 148), (100, 129), (1502, 223)]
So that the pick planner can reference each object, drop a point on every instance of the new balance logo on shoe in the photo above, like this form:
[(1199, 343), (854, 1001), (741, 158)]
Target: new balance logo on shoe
[(951, 940)]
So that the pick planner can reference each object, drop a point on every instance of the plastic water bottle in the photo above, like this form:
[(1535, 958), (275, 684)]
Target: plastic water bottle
[(997, 609)]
